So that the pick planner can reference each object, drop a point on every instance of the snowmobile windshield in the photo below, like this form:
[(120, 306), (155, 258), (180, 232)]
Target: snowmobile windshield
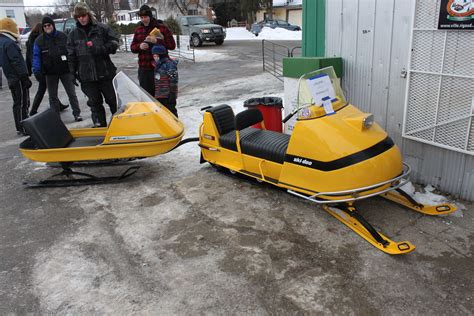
[(198, 20), (319, 87), (126, 91)]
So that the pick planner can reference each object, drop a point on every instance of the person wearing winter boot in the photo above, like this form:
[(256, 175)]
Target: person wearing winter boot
[(35, 32), (14, 67), (143, 42), (50, 59), (166, 78), (89, 46)]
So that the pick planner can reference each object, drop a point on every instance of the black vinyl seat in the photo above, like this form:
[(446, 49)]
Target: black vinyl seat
[(255, 142), (46, 131)]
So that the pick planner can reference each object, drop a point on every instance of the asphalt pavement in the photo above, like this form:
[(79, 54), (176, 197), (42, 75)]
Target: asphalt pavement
[(180, 237)]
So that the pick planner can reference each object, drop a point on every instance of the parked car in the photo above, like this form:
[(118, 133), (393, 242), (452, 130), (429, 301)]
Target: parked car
[(200, 30), (65, 24), (257, 27)]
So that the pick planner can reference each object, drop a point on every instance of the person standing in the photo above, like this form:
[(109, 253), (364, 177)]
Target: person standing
[(14, 67), (89, 47), (142, 44), (166, 78), (35, 32)]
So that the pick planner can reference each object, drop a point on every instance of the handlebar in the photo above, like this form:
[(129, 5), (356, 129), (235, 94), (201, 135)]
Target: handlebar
[(288, 117)]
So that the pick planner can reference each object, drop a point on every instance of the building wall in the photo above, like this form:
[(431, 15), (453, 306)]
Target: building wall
[(295, 17), (373, 38), (18, 12)]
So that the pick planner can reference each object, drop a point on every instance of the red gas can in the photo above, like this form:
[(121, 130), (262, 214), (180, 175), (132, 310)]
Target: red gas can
[(271, 112)]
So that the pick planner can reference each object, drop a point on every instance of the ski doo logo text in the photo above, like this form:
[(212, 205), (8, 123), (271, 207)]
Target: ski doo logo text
[(302, 161)]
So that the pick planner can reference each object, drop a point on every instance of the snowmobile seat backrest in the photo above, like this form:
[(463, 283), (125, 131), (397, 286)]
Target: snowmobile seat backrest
[(247, 118), (47, 130), (224, 118)]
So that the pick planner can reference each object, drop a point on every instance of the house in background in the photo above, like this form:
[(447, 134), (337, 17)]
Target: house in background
[(286, 10), (14, 9)]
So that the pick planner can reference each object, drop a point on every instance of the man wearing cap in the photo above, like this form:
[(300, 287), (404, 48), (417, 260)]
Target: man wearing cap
[(89, 46), (50, 59), (143, 43), (14, 67)]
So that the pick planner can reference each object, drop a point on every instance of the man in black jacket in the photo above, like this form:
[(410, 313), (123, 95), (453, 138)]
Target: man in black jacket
[(14, 67), (89, 46), (50, 59)]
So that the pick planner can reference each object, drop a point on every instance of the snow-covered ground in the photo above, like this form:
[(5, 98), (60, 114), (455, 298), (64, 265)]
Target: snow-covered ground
[(241, 33), (128, 22)]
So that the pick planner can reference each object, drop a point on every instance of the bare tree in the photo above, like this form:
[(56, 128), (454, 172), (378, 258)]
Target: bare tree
[(103, 9), (182, 6)]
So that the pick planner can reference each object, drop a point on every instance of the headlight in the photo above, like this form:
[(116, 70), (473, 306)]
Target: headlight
[(224, 30), (206, 31), (368, 121)]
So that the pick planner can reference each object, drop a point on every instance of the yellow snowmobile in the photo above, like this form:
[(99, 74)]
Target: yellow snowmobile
[(335, 155), (142, 127)]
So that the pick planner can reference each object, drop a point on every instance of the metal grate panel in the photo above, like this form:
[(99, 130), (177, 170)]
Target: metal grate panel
[(440, 101), (452, 104), (422, 100), (452, 135), (470, 145), (426, 14), (426, 52), (427, 135), (458, 59)]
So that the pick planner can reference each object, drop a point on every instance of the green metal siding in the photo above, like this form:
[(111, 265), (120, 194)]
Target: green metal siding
[(314, 28), (295, 67)]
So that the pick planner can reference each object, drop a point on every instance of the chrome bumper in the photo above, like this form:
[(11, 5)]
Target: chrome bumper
[(356, 193)]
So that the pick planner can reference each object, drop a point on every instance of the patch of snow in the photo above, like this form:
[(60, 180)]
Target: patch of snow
[(430, 198), (241, 33), (207, 55), (128, 22)]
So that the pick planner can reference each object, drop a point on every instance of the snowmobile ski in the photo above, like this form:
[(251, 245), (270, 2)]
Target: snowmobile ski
[(349, 216), (401, 197)]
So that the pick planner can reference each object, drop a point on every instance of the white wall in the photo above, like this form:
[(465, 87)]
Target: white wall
[(18, 11), (373, 38)]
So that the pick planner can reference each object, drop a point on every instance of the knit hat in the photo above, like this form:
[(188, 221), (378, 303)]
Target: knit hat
[(159, 50), (8, 25), (47, 20), (81, 9), (145, 11)]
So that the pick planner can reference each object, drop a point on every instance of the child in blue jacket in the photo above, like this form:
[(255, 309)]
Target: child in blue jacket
[(166, 78)]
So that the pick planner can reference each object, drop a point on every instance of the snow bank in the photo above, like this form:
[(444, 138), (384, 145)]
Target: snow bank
[(241, 33), (279, 34)]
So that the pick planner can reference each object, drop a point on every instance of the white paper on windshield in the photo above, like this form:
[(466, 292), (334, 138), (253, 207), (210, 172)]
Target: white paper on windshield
[(327, 105), (321, 87)]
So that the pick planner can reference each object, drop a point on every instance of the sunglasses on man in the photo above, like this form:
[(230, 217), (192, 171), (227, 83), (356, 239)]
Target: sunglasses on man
[(47, 25)]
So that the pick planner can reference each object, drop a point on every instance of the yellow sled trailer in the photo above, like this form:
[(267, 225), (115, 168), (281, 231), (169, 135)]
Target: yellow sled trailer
[(141, 128), (335, 155)]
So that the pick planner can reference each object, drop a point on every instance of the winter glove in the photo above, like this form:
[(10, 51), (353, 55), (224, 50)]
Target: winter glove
[(26, 82)]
